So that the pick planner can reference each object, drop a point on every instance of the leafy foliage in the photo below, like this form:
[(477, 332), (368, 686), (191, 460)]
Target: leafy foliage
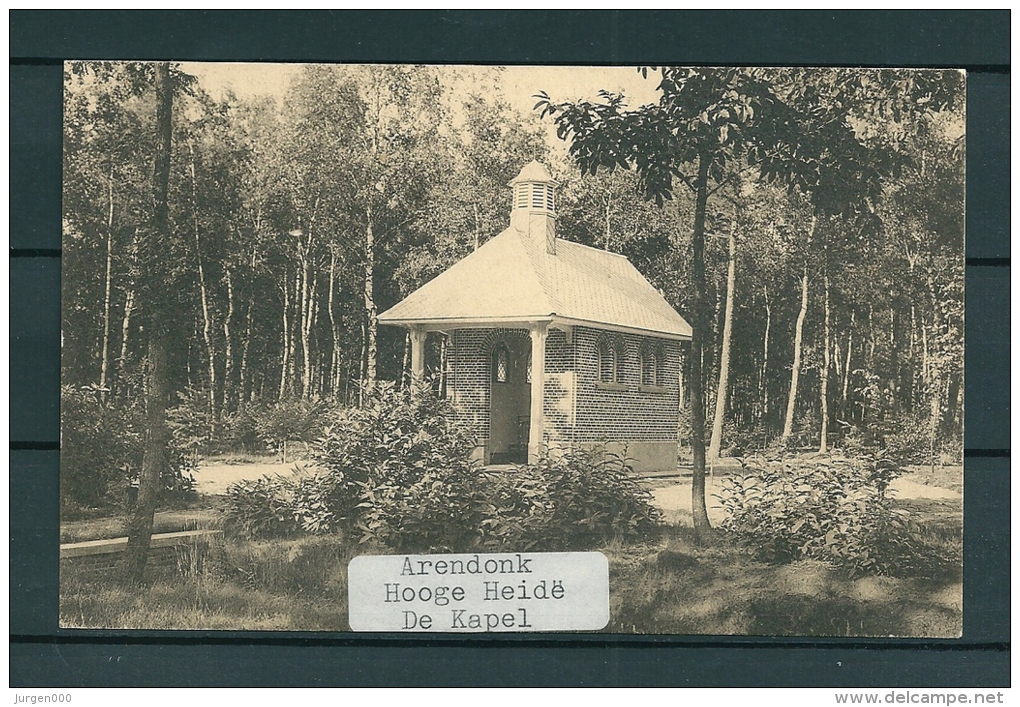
[(290, 420), (567, 502), (399, 472), (266, 272), (586, 496), (101, 449), (393, 441), (828, 508), (904, 440), (262, 508)]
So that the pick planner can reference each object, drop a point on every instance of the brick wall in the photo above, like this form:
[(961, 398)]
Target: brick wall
[(469, 364), (468, 380), (560, 389), (628, 413), (577, 408)]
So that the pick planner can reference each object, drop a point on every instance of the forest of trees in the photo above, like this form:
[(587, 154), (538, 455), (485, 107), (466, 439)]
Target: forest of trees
[(820, 257)]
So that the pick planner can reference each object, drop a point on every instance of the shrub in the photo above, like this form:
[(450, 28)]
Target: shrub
[(263, 507), (190, 423), (449, 509), (290, 420), (581, 498), (101, 449), (907, 440), (570, 501), (96, 453), (240, 433), (829, 508), (741, 440), (398, 471), (386, 447), (904, 439)]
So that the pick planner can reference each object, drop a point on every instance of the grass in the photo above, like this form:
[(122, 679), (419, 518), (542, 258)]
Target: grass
[(676, 586), (947, 477), (669, 584), (293, 585)]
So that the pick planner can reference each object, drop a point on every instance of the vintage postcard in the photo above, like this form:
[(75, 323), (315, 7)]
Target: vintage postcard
[(466, 349)]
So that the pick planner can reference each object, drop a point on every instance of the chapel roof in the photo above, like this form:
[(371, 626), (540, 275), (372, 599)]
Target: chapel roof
[(513, 279)]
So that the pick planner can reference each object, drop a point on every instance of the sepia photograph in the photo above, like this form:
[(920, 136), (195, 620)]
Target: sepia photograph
[(684, 341)]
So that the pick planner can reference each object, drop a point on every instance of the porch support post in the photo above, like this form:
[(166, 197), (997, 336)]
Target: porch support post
[(417, 354), (539, 332)]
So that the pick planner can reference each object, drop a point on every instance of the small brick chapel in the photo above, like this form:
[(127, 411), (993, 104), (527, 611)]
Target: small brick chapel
[(552, 345)]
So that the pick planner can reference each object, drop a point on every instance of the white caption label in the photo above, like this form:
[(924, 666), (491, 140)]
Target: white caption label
[(526, 591)]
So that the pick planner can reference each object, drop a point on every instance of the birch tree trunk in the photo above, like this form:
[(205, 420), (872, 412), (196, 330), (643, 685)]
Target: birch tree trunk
[(371, 321), (228, 346), (724, 355), (284, 364), (849, 353), (763, 380), (306, 335), (292, 337), (823, 445), (791, 401), (105, 367), (243, 376), (798, 341), (242, 368), (125, 331), (206, 318), (334, 328), (363, 362), (305, 318)]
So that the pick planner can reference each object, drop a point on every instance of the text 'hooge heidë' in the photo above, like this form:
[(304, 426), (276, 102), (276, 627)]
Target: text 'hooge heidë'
[(541, 591)]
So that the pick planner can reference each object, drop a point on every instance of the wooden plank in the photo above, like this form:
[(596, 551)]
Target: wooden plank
[(114, 545)]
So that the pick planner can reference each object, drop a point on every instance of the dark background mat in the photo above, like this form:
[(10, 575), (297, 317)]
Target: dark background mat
[(43, 655)]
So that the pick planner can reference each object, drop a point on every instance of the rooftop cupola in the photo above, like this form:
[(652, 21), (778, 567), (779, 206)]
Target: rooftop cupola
[(534, 211)]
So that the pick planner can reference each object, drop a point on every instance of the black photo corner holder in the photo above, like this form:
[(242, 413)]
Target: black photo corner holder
[(42, 655)]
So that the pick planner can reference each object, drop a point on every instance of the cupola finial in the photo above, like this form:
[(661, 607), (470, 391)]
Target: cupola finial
[(534, 207)]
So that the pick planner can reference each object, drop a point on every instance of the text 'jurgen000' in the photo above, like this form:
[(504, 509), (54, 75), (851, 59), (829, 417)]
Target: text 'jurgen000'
[(480, 592)]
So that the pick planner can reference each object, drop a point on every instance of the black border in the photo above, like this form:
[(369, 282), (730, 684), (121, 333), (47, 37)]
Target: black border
[(41, 655)]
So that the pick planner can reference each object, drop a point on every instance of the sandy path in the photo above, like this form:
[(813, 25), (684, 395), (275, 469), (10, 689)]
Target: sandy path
[(215, 478), (675, 500)]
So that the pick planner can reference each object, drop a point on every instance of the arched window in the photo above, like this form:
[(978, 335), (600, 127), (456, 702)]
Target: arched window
[(647, 365), (652, 372), (611, 360), (527, 370), (500, 364)]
